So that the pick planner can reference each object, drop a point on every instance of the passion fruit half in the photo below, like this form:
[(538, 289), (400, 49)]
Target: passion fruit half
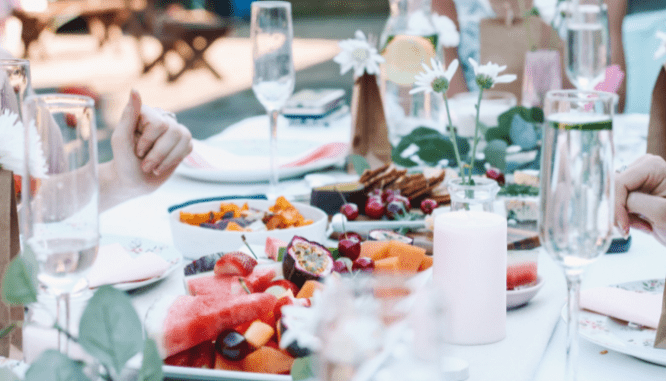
[(305, 260)]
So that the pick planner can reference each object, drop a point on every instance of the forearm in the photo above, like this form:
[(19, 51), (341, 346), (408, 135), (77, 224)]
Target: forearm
[(617, 9), (112, 191)]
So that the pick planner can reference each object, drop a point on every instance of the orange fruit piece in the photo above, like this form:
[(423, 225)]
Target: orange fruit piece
[(409, 256), (258, 333), (426, 263), (309, 288), (387, 265), (232, 226), (267, 360), (224, 364), (375, 250), (194, 218)]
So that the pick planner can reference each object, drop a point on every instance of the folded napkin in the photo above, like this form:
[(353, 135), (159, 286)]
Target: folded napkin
[(641, 308), (115, 265), (614, 78), (205, 156)]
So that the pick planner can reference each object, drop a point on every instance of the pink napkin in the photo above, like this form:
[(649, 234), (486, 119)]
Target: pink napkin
[(641, 308), (614, 78), (205, 156), (115, 265)]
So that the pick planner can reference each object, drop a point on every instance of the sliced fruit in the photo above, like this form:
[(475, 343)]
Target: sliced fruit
[(363, 264), (273, 246), (235, 263), (268, 360), (387, 265), (409, 256), (286, 284), (309, 288), (232, 345), (305, 260), (259, 333), (199, 356), (223, 364), (349, 248), (375, 249), (426, 263), (223, 286)]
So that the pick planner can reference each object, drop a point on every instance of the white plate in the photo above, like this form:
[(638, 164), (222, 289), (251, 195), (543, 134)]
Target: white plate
[(240, 147), (181, 372), (135, 246), (617, 335), (519, 297)]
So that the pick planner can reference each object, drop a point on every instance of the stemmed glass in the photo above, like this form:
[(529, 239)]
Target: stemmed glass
[(577, 191), (587, 51), (273, 69), (60, 223)]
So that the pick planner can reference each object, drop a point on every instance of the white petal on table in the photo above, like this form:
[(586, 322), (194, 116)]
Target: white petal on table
[(115, 265), (641, 308)]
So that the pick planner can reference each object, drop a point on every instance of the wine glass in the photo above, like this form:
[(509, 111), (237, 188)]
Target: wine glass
[(61, 224), (587, 52), (577, 191), (273, 68)]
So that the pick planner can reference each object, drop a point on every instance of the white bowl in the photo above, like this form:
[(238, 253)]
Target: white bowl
[(519, 297), (194, 241)]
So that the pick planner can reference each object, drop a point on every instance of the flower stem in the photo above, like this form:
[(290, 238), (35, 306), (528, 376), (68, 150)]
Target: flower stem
[(454, 138), (476, 135)]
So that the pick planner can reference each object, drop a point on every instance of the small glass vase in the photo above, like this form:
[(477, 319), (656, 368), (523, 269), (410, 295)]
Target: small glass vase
[(480, 196)]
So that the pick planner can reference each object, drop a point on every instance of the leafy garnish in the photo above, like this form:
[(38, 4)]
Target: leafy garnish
[(281, 252), (518, 190)]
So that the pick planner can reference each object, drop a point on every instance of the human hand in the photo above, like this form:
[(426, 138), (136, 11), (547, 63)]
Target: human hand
[(640, 197), (147, 146)]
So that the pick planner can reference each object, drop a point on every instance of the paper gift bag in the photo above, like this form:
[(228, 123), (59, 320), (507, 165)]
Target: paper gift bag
[(657, 124), (369, 130), (505, 42), (9, 248)]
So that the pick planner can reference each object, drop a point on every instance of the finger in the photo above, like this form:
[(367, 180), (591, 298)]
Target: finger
[(153, 129), (639, 223), (130, 117), (622, 220), (175, 156), (161, 149), (650, 208)]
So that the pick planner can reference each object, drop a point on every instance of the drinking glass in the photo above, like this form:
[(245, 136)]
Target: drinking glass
[(60, 223), (273, 68), (587, 52), (577, 191)]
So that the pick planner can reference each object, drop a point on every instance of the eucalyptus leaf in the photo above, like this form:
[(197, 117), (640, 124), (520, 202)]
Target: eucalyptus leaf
[(52, 365), (496, 154), (302, 368), (5, 331), (19, 284), (359, 163), (110, 328), (151, 367), (523, 133), (6, 374), (433, 147)]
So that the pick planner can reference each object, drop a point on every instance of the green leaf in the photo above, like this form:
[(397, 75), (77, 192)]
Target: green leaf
[(359, 163), (19, 284), (496, 154), (151, 368), (301, 369), (6, 374), (110, 329), (334, 252), (433, 147), (52, 365), (281, 252), (5, 331), (537, 115)]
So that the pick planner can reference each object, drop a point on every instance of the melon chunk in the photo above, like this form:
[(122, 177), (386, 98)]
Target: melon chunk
[(268, 360), (375, 250), (259, 333), (409, 256), (387, 265)]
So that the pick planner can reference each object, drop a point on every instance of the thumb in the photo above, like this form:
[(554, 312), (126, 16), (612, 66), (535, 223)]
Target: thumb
[(130, 117)]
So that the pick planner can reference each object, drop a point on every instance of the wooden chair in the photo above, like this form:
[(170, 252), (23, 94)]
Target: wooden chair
[(189, 33)]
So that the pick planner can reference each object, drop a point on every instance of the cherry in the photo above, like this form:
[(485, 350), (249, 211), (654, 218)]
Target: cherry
[(388, 194), (350, 248), (232, 345), (350, 235), (364, 264), (395, 209), (375, 193), (340, 265), (374, 209), (495, 174), (349, 210), (428, 205), (404, 200)]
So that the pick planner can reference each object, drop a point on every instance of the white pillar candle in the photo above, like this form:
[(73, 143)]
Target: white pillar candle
[(469, 249)]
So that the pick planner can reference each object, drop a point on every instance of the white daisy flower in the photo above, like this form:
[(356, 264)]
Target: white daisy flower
[(661, 50), (488, 75), (357, 53), (12, 140), (302, 323), (448, 35), (434, 79)]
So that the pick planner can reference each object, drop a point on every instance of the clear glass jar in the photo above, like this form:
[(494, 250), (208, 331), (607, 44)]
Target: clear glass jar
[(480, 196), (409, 40)]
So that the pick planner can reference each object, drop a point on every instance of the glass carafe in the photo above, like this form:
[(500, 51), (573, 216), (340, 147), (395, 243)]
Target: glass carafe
[(408, 41)]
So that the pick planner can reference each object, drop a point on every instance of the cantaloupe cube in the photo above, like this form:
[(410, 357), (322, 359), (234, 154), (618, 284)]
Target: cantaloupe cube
[(426, 263), (224, 364), (375, 249), (387, 265), (409, 256), (309, 288), (268, 360), (258, 333)]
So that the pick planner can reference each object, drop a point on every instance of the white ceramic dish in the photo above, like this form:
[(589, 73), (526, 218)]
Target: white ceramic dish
[(194, 242), (619, 335), (135, 246), (180, 372), (519, 297)]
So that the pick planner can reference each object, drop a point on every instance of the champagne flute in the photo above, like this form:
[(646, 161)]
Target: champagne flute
[(577, 191), (273, 69), (587, 53), (61, 223)]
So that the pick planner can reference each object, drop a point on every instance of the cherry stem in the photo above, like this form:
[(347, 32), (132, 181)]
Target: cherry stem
[(248, 246)]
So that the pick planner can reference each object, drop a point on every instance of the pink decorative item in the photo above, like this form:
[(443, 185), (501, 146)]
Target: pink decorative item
[(614, 78), (543, 73)]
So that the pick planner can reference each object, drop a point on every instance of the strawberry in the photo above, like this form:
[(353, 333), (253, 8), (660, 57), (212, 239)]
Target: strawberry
[(283, 301), (235, 263)]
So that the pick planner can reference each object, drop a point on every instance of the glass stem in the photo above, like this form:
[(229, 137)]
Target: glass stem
[(63, 339), (273, 179), (573, 302)]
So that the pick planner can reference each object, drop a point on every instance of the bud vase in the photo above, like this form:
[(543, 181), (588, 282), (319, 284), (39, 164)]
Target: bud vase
[(480, 196)]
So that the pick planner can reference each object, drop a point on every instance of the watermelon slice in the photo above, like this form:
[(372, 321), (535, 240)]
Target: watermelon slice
[(230, 285), (273, 246), (191, 320)]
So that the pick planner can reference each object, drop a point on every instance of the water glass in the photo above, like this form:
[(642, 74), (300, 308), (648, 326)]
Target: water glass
[(577, 191), (61, 223)]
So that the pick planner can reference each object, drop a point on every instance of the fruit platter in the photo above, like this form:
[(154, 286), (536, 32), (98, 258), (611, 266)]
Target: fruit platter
[(229, 323)]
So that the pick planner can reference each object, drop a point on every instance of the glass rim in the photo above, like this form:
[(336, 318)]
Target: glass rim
[(271, 4), (14, 61), (579, 95), (67, 100), (480, 182)]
